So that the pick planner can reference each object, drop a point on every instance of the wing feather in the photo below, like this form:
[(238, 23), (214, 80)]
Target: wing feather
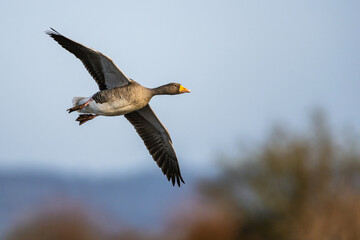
[(106, 74), (157, 140)]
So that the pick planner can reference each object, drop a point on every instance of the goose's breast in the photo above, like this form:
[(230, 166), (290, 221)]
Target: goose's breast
[(117, 107), (119, 101)]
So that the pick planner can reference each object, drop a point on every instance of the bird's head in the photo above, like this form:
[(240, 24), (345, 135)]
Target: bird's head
[(176, 88)]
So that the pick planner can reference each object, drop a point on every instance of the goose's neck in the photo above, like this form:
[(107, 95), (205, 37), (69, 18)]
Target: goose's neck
[(159, 91)]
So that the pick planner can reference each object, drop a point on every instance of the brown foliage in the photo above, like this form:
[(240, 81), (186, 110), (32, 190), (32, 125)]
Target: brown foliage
[(203, 221), (301, 187), (71, 226)]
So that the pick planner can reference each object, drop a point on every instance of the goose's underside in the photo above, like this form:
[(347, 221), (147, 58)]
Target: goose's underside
[(114, 108)]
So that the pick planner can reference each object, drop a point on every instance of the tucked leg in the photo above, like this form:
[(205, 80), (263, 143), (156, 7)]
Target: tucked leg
[(83, 118), (79, 107)]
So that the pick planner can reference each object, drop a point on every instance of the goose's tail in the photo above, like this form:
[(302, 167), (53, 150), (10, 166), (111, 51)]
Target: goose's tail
[(77, 100), (78, 103)]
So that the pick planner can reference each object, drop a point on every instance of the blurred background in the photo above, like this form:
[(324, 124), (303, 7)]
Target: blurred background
[(268, 140)]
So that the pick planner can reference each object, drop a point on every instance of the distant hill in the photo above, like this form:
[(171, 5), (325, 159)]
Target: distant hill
[(141, 201)]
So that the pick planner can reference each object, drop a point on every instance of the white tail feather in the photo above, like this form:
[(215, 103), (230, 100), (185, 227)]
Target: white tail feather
[(76, 101)]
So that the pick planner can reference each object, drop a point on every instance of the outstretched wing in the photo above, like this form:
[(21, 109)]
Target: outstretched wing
[(106, 74), (157, 141)]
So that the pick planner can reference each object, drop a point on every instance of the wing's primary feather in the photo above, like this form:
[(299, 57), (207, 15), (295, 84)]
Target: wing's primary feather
[(157, 141), (106, 74)]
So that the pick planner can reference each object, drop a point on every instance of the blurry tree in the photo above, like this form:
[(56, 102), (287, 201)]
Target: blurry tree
[(293, 187), (56, 226), (71, 224), (203, 221)]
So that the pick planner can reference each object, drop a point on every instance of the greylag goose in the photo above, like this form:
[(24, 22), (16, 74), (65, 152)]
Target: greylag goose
[(120, 95)]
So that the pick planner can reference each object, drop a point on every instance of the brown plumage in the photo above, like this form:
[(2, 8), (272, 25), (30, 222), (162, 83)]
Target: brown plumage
[(120, 95)]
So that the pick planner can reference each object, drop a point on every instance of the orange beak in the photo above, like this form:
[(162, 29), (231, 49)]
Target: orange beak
[(183, 90)]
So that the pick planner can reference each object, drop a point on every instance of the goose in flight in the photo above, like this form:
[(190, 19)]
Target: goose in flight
[(120, 95)]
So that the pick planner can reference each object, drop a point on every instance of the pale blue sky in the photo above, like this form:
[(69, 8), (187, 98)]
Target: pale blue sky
[(249, 65)]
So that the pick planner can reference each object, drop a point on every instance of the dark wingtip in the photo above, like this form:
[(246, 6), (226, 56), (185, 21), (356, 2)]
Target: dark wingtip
[(52, 32), (173, 180), (182, 180), (176, 179)]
